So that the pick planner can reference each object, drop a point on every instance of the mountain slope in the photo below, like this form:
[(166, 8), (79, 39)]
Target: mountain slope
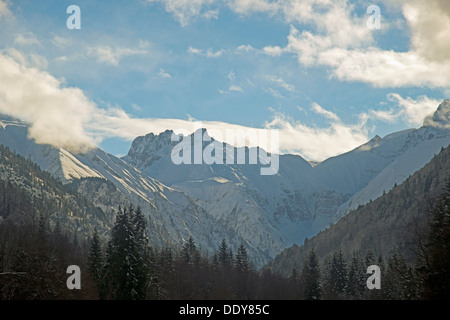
[(410, 151), (274, 212), (234, 201), (28, 195), (173, 216), (385, 225), (271, 212)]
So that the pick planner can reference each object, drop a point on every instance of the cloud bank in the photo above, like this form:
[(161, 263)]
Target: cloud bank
[(334, 36), (66, 118)]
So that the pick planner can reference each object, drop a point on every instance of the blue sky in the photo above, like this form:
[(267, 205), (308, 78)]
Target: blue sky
[(311, 68)]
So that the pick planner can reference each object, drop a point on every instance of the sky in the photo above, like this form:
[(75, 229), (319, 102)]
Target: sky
[(319, 71)]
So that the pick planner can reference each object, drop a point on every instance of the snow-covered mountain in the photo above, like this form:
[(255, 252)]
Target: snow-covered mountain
[(276, 211), (271, 212), (173, 216), (234, 201), (407, 152)]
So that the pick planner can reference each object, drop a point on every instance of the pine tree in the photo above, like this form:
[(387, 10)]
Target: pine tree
[(310, 277), (125, 268), (143, 262), (335, 280), (224, 254), (140, 225), (399, 282), (242, 262), (189, 252), (294, 276), (436, 271), (95, 262), (356, 277)]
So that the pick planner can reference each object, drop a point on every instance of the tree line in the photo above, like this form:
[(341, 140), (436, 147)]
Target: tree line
[(428, 277), (125, 266), (39, 239)]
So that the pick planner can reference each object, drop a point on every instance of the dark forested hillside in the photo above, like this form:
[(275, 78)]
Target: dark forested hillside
[(27, 193), (47, 226), (394, 223), (44, 228)]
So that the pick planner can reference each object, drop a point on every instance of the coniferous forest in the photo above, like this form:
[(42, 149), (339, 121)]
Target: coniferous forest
[(36, 248)]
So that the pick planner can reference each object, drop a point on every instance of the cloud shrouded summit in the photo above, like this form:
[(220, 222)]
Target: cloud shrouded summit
[(58, 116)]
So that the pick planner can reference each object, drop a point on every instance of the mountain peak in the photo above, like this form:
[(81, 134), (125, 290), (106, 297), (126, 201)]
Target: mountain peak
[(440, 118), (146, 149)]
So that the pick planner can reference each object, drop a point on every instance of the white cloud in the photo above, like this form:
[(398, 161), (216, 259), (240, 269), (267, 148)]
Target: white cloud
[(185, 11), (65, 117), (144, 44), (320, 110), (411, 111), (4, 10), (317, 143), (414, 111), (26, 39), (192, 50), (61, 59), (336, 38), (274, 51), (211, 14), (281, 82), (244, 48), (212, 54), (60, 42), (235, 88), (429, 22), (57, 114), (164, 75), (112, 56), (385, 68), (384, 115), (245, 7), (28, 59), (275, 93), (332, 20)]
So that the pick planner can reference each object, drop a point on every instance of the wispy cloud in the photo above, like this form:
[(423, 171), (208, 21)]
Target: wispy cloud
[(4, 10), (28, 59), (317, 143), (112, 56), (163, 74), (58, 115), (322, 111), (340, 40), (211, 54), (192, 50), (60, 42), (186, 11), (26, 39), (65, 117), (246, 7), (281, 82), (235, 88), (415, 110)]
